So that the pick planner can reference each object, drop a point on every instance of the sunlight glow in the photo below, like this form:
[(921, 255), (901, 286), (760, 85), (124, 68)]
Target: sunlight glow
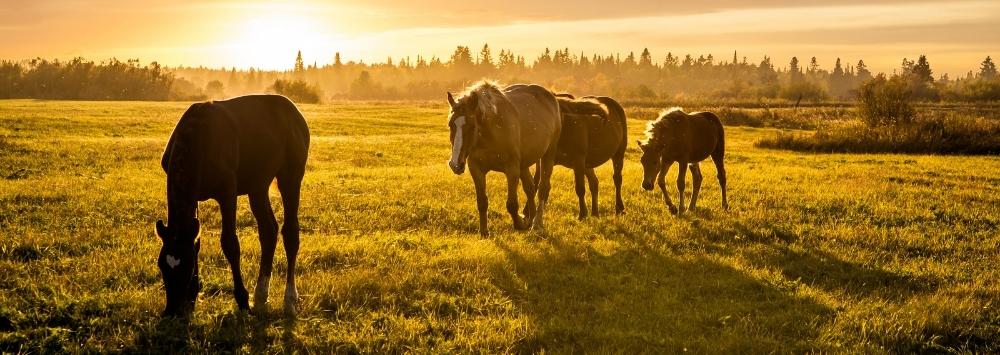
[(271, 41)]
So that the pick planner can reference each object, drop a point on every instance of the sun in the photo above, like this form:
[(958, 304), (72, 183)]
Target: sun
[(270, 40)]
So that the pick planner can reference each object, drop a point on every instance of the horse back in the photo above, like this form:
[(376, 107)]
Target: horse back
[(538, 117), (236, 145), (707, 133)]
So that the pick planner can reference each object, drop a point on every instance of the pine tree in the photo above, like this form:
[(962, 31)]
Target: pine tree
[(645, 59), (988, 70), (863, 74), (299, 66), (838, 70), (337, 63), (461, 60), (486, 58), (794, 70), (670, 61), (813, 66), (922, 70)]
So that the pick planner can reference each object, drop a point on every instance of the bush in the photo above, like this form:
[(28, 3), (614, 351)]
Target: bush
[(944, 133), (805, 90), (885, 102), (979, 89), (298, 90)]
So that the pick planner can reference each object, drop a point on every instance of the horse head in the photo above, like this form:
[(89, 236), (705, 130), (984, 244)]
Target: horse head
[(464, 121), (178, 262)]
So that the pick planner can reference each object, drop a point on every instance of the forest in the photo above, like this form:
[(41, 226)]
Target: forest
[(641, 77)]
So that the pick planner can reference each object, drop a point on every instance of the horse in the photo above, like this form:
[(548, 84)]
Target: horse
[(594, 131), (220, 150), (687, 139), (507, 131)]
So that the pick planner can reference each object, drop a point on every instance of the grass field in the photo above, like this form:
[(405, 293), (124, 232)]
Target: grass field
[(819, 252)]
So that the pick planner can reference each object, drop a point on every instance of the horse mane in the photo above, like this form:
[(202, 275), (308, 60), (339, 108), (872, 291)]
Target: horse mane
[(177, 160), (657, 128), (490, 98), (586, 106)]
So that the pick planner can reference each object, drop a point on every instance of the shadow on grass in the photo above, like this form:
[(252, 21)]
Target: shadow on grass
[(580, 299), (773, 246), (231, 332)]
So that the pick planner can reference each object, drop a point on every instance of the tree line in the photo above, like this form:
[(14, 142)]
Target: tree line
[(629, 76)]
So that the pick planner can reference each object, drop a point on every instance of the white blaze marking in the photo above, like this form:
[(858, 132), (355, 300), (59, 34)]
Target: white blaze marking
[(456, 147), (173, 262)]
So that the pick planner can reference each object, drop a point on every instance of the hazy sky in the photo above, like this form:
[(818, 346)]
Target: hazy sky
[(955, 35)]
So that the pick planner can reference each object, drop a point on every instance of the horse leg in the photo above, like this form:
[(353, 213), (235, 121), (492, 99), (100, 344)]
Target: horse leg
[(592, 181), (267, 232), (618, 164), (544, 186), (290, 186), (482, 202), (581, 191), (695, 184), (195, 287), (528, 185), (681, 171), (231, 249), (513, 174), (661, 181), (721, 168)]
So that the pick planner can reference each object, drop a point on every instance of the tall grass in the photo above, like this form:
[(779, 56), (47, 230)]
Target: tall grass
[(888, 123), (931, 134)]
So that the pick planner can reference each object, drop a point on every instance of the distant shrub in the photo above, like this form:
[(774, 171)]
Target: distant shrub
[(215, 89), (297, 90), (805, 89), (885, 102), (184, 90), (944, 133), (979, 89)]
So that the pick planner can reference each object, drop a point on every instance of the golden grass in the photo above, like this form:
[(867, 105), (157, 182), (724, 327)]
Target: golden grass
[(833, 253)]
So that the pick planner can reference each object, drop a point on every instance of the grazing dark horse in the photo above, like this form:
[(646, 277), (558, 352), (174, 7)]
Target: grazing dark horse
[(594, 131), (220, 150), (686, 139), (507, 131)]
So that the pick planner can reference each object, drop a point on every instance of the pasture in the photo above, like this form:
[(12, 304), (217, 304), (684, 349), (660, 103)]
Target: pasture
[(838, 253)]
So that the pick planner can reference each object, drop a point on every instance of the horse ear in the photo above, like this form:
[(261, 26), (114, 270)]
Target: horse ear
[(451, 100), (161, 230)]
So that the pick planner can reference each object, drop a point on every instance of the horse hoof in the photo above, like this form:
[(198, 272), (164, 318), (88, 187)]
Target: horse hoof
[(291, 300)]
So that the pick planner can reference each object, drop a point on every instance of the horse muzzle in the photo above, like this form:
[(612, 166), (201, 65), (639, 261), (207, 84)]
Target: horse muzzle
[(457, 168)]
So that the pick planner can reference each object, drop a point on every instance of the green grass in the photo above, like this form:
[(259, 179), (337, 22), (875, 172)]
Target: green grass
[(831, 253)]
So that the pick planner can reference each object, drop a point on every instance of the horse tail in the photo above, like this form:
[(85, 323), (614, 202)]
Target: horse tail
[(720, 147)]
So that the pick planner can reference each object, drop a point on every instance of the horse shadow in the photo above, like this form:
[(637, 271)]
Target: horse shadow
[(578, 298), (230, 332), (771, 246)]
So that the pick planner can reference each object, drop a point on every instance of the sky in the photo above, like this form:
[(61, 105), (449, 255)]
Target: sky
[(955, 35)]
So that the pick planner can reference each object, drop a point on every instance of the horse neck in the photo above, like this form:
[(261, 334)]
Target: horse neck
[(182, 204), (182, 184)]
